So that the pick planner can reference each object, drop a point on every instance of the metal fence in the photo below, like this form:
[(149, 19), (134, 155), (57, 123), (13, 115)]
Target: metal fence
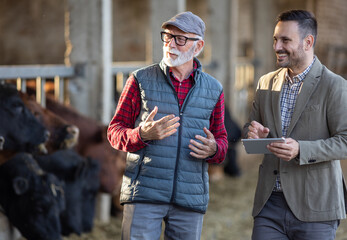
[(39, 75), (55, 78), (120, 73)]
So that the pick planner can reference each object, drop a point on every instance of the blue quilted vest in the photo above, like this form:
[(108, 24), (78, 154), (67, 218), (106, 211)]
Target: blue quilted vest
[(164, 171)]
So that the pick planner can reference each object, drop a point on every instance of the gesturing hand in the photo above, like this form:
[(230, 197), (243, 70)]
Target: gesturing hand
[(207, 148), (160, 129), (256, 130)]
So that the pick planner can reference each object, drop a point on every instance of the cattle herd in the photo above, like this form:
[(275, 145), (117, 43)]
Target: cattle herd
[(53, 162)]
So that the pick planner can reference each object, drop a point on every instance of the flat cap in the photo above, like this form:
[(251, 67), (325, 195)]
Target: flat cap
[(187, 22)]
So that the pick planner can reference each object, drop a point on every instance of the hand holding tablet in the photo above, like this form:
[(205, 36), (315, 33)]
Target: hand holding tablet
[(258, 146)]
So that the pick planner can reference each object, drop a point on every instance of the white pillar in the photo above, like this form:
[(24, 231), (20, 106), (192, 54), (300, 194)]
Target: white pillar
[(84, 49), (106, 63), (103, 207), (264, 22), (217, 25), (160, 11), (181, 6), (233, 40)]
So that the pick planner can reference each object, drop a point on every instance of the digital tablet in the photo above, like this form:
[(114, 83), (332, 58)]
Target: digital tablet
[(258, 146)]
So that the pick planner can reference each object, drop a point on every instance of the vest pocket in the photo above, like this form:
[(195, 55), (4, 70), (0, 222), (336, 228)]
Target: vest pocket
[(138, 170), (133, 164)]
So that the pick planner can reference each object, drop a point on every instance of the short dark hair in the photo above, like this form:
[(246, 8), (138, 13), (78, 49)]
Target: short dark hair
[(306, 21)]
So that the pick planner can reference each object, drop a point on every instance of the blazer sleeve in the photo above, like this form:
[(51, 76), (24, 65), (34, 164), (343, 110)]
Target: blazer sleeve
[(334, 146)]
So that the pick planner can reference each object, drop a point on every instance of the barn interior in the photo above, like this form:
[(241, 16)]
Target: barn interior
[(80, 53)]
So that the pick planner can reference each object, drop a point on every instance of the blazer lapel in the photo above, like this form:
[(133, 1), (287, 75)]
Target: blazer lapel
[(275, 97), (307, 88)]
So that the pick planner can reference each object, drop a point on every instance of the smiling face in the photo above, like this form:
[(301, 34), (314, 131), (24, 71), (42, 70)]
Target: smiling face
[(175, 55), (289, 46)]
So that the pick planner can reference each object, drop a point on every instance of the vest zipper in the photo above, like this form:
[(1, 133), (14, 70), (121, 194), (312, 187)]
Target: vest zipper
[(179, 135), (177, 160)]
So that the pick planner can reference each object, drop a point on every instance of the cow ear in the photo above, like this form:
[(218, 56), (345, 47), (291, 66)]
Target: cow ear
[(20, 185)]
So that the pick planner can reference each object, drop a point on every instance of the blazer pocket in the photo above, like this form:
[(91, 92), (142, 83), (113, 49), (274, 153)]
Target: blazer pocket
[(311, 123), (322, 194), (312, 108)]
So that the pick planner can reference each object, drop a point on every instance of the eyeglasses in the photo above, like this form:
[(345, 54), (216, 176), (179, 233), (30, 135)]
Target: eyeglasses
[(179, 39)]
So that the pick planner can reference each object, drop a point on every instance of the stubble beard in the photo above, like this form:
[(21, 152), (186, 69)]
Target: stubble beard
[(294, 60)]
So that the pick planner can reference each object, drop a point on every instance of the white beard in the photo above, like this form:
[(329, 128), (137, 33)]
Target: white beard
[(181, 57)]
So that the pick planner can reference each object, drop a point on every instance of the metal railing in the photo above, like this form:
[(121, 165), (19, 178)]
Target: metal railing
[(56, 74), (121, 71)]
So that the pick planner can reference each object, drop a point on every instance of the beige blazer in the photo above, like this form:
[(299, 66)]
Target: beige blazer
[(313, 185)]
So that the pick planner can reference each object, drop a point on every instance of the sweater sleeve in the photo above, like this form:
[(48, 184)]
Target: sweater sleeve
[(121, 132), (219, 132)]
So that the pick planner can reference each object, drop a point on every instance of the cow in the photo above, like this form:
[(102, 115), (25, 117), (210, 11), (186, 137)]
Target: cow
[(89, 192), (20, 130), (80, 176), (62, 134), (93, 143), (31, 199)]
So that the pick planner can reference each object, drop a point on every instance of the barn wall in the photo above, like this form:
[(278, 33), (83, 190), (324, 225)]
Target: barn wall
[(35, 32)]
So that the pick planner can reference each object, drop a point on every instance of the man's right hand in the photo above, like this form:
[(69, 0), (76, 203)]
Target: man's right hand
[(160, 129), (256, 130)]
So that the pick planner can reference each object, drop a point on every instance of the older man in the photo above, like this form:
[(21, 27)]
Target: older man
[(170, 120)]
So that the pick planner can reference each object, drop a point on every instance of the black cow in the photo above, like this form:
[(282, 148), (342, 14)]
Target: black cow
[(90, 188), (81, 186), (231, 166), (62, 134), (32, 199), (19, 128), (93, 143)]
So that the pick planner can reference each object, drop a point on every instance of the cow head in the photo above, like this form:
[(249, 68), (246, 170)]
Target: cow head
[(33, 199), (63, 135), (20, 129), (81, 177)]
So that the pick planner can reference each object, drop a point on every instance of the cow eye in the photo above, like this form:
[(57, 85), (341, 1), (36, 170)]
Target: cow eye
[(17, 107), (38, 116)]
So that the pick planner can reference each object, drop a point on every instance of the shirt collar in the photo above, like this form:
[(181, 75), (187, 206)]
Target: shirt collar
[(191, 75), (301, 76)]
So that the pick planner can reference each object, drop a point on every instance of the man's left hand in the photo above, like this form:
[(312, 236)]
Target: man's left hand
[(206, 148), (286, 151)]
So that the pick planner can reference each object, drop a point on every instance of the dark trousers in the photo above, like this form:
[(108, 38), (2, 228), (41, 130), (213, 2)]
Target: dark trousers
[(276, 221)]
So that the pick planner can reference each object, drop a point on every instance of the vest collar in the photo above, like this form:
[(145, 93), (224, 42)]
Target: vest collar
[(165, 68)]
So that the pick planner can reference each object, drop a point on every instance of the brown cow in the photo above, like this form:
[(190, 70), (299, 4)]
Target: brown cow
[(62, 134), (93, 143)]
